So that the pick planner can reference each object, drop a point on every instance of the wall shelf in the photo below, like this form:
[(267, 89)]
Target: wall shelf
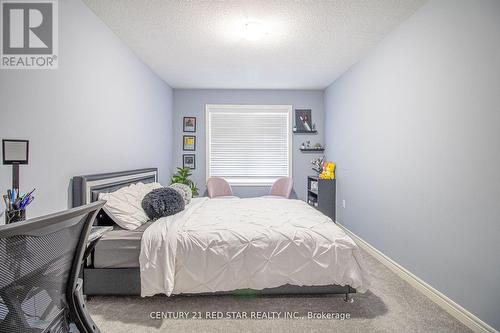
[(318, 150), (305, 132)]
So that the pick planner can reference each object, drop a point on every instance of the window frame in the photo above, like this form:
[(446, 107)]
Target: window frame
[(272, 107)]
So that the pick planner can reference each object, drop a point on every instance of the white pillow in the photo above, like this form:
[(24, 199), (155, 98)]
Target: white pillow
[(124, 205), (183, 190)]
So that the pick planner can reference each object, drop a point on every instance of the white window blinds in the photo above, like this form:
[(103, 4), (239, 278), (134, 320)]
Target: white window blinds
[(249, 144)]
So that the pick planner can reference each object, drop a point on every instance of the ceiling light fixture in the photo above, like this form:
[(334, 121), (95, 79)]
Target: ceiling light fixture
[(253, 31)]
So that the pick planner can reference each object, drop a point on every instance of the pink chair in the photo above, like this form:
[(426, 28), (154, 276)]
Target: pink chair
[(218, 187), (282, 188)]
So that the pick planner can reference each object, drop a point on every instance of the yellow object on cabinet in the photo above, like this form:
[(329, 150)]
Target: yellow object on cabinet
[(328, 171)]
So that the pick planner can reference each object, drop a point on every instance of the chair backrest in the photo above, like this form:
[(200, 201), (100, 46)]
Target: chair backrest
[(40, 262), (282, 187), (218, 187)]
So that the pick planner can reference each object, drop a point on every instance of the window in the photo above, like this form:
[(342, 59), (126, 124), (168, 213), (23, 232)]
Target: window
[(249, 144)]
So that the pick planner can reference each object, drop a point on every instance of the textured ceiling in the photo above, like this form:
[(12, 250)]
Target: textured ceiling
[(198, 44)]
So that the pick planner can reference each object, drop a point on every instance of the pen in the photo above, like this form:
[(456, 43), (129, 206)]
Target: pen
[(25, 200), (28, 194), (9, 199), (6, 203), (17, 203), (29, 201), (25, 204)]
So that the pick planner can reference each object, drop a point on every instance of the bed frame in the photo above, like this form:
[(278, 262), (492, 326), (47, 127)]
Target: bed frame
[(103, 281)]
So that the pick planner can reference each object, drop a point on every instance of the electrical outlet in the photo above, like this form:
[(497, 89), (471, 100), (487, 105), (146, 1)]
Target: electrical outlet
[(343, 203)]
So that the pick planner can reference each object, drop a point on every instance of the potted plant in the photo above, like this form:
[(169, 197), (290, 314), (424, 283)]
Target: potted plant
[(182, 177)]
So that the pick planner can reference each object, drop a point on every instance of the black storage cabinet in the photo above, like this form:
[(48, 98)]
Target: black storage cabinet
[(322, 197)]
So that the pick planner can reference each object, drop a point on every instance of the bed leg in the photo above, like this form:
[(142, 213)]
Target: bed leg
[(348, 298)]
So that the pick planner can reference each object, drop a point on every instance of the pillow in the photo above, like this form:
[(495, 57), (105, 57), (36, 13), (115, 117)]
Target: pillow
[(184, 191), (124, 205), (162, 202)]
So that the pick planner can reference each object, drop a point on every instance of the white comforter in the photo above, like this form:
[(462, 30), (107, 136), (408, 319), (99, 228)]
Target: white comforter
[(228, 244)]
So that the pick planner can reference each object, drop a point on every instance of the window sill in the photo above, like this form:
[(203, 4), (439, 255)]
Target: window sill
[(251, 182)]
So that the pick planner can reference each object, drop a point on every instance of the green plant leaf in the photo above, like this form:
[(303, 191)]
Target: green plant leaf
[(182, 177)]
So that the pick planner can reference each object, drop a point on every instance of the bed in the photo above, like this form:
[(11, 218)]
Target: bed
[(219, 246)]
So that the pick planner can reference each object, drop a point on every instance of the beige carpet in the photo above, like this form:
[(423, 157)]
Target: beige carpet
[(391, 305)]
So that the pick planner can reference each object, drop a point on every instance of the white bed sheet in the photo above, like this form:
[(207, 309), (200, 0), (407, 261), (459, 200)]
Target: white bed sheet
[(228, 244)]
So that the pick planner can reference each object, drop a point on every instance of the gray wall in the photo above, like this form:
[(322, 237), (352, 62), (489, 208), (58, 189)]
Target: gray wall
[(102, 110), (192, 103), (415, 130)]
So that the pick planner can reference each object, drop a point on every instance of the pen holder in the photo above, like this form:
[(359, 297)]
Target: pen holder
[(12, 216)]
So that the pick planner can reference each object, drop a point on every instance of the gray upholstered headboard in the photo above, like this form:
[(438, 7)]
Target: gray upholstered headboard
[(86, 189)]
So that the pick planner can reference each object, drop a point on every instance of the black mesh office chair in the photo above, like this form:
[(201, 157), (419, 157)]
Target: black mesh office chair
[(40, 260)]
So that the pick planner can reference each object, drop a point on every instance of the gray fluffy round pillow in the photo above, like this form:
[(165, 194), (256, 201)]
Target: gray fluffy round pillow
[(162, 202), (183, 190)]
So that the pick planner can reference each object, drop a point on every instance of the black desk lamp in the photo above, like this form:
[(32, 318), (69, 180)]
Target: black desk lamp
[(15, 152)]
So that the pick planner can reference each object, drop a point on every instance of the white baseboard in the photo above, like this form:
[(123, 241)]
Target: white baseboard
[(454, 309)]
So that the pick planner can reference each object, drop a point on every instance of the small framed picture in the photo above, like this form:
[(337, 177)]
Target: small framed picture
[(189, 161), (189, 124), (189, 143), (303, 120)]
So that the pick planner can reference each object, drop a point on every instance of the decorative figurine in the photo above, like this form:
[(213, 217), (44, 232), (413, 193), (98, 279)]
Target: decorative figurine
[(318, 164)]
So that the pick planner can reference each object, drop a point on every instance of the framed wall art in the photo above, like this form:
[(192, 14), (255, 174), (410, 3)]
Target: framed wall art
[(189, 143)]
